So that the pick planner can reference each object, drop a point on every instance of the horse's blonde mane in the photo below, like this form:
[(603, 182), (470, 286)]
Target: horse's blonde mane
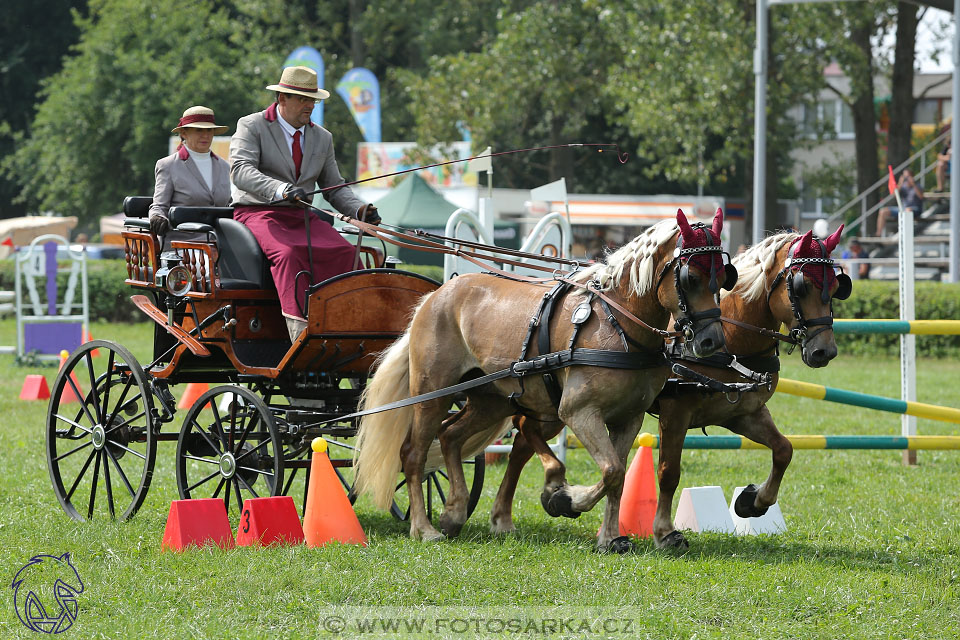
[(634, 259), (755, 263)]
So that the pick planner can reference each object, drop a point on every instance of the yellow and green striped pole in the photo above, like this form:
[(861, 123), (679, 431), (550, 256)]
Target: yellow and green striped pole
[(820, 392), (912, 443), (916, 327)]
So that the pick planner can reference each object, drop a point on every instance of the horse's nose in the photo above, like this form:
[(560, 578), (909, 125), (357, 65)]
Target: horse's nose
[(821, 356)]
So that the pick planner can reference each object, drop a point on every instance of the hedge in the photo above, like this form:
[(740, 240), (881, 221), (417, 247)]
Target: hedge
[(110, 302), (880, 299)]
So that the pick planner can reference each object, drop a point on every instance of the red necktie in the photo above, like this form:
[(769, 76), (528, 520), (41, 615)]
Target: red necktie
[(297, 152)]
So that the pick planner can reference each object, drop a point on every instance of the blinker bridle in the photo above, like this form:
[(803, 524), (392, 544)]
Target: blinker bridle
[(682, 280), (798, 288)]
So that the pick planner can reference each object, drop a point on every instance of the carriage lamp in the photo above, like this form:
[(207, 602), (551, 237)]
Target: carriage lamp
[(179, 280)]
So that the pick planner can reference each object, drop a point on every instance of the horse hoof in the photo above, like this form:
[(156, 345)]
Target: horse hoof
[(744, 506), (674, 540), (620, 545), (449, 528), (559, 504)]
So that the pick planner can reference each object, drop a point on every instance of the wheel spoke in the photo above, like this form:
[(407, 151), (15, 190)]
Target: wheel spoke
[(203, 434), (73, 424), (245, 454), (246, 431), (246, 486), (93, 386), (80, 475), (218, 423), (207, 479), (81, 399), (72, 451), (129, 450), (233, 421), (226, 497), (93, 490), (199, 459), (443, 497), (106, 389), (236, 490), (128, 423), (123, 476), (107, 484), (259, 472), (120, 402), (219, 486)]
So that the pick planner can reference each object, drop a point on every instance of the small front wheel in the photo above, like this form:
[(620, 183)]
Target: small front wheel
[(229, 448)]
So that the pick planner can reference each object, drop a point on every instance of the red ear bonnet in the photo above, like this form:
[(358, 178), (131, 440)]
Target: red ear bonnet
[(833, 240), (688, 234), (718, 223)]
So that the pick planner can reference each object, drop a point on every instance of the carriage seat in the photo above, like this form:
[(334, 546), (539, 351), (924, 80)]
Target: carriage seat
[(242, 263)]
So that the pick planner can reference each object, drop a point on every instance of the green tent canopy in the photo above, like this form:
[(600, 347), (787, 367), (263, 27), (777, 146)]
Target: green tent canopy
[(414, 204)]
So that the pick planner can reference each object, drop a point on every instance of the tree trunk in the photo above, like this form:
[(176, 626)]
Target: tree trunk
[(358, 51), (902, 100), (864, 116)]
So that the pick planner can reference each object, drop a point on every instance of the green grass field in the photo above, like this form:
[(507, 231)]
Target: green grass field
[(872, 548)]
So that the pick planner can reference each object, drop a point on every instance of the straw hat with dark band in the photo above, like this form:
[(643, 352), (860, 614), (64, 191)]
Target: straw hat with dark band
[(301, 81), (199, 118)]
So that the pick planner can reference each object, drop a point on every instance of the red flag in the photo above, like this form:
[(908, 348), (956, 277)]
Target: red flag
[(8, 242), (891, 183)]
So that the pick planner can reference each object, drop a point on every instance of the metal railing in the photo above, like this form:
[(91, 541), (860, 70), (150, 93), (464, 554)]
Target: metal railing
[(864, 197)]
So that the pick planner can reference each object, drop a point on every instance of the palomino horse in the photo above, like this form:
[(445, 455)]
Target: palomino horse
[(786, 279), (476, 324)]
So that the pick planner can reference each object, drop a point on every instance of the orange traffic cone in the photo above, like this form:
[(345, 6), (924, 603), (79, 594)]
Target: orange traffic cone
[(328, 515), (69, 395), (192, 393), (638, 504), (87, 337)]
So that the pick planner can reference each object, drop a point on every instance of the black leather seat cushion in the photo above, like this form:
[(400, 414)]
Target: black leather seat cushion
[(137, 206), (242, 263)]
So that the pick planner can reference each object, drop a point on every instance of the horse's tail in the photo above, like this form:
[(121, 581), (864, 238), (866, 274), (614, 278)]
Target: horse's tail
[(380, 436), (474, 445)]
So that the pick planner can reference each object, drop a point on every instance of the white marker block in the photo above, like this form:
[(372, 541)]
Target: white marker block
[(770, 522), (703, 509)]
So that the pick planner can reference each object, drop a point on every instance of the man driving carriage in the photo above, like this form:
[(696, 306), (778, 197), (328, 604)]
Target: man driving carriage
[(278, 156)]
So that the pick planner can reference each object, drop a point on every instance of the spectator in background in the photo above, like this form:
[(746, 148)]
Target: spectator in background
[(856, 270), (911, 195), (943, 166)]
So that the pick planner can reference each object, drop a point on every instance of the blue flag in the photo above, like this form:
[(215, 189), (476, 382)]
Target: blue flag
[(310, 58), (361, 91)]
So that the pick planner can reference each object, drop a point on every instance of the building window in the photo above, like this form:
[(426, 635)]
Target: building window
[(831, 118)]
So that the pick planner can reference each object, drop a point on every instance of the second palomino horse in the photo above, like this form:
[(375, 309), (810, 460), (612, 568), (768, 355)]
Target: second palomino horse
[(786, 279), (592, 368)]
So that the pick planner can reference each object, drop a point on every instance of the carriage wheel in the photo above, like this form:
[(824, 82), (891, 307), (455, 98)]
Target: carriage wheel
[(232, 453), (436, 485), (100, 442)]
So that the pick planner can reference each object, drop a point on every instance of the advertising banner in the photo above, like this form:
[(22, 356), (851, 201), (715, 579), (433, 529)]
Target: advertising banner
[(361, 91)]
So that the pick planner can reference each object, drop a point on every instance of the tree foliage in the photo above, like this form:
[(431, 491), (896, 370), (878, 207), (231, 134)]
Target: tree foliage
[(673, 83)]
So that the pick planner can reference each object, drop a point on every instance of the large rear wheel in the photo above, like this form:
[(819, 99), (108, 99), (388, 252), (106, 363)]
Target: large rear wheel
[(100, 443)]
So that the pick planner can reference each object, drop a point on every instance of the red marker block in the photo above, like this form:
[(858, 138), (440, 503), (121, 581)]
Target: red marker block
[(198, 523), (266, 521), (34, 388)]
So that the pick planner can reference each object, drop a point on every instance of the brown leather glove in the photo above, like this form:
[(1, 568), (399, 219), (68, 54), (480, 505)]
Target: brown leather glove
[(159, 225)]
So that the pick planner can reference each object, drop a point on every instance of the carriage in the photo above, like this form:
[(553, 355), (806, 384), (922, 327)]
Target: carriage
[(217, 320)]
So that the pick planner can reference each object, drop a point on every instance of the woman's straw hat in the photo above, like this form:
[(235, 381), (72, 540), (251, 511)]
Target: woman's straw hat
[(199, 118), (301, 81)]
